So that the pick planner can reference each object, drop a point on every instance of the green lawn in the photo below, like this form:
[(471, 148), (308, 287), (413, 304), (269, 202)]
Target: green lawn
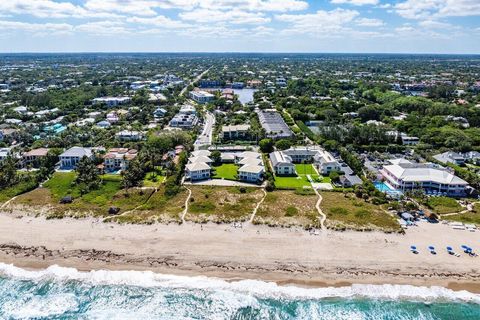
[(19, 188), (154, 179), (227, 171), (292, 182), (304, 169), (62, 184), (442, 205), (346, 211), (301, 180), (468, 217), (97, 201)]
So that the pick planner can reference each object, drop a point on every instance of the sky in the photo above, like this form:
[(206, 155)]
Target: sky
[(349, 26)]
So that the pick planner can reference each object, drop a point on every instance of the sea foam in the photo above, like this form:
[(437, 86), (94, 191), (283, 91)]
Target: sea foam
[(259, 289)]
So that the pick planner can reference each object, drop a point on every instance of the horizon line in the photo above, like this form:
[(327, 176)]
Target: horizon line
[(235, 52)]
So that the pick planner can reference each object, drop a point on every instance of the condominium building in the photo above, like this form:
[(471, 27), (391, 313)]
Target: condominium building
[(273, 124), (404, 175)]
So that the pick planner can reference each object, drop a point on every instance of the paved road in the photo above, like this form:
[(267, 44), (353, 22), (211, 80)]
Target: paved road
[(205, 138), (193, 81)]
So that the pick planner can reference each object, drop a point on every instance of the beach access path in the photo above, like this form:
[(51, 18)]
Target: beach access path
[(272, 254)]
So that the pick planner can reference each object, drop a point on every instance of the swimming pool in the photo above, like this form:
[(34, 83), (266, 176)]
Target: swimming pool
[(382, 186)]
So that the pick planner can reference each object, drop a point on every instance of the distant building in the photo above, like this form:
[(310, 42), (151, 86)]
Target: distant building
[(281, 82), (210, 83), (104, 124), (34, 157), (70, 158), (159, 113), (404, 138), (5, 153), (238, 85), (237, 132), (186, 118), (118, 159), (458, 158), (202, 96), (112, 101), (128, 135)]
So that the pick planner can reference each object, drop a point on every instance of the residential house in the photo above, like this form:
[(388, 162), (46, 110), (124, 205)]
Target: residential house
[(104, 124), (34, 157), (282, 164), (197, 171), (159, 113), (251, 173), (458, 159), (128, 135), (118, 159), (5, 153), (70, 158)]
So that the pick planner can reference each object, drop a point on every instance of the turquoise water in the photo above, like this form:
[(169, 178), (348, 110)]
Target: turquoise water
[(63, 293), (381, 186)]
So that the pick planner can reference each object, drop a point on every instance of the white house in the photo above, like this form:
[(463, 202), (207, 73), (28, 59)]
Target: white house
[(70, 158), (127, 135), (282, 164), (197, 171), (251, 173), (322, 159)]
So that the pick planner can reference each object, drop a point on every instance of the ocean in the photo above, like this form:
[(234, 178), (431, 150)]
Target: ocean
[(65, 293)]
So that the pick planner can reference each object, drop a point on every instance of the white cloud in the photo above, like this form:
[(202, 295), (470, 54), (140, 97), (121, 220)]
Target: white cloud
[(231, 16), (149, 7), (366, 22), (158, 21), (432, 24), (36, 28), (47, 9), (356, 2), (324, 23), (431, 9), (103, 28)]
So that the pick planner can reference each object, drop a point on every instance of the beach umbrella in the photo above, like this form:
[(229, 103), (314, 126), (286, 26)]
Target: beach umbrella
[(413, 247), (449, 249), (431, 247), (464, 247)]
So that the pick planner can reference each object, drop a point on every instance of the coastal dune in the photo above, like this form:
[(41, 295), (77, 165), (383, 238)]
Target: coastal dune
[(286, 256)]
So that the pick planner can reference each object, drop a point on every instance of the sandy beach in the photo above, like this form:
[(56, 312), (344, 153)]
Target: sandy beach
[(286, 256)]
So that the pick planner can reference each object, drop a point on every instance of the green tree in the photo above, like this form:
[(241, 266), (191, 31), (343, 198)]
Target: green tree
[(133, 175), (283, 144), (266, 145), (8, 173), (216, 157), (87, 175)]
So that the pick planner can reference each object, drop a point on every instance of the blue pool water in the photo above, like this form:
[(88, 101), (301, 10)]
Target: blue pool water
[(64, 293), (381, 186)]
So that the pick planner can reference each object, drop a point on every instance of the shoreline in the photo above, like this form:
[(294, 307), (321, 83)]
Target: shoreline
[(284, 256)]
